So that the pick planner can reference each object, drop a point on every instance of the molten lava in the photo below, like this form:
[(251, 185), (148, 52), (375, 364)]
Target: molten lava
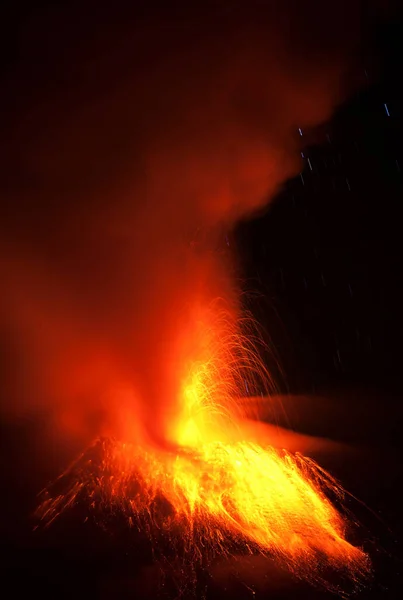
[(221, 488)]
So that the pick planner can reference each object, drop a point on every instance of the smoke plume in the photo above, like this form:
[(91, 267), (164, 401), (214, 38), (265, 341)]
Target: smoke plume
[(133, 141)]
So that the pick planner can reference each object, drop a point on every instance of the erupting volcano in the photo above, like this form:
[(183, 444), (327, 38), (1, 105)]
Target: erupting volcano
[(139, 146), (212, 481)]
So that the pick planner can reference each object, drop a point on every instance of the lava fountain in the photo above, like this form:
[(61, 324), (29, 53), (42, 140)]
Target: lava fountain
[(221, 489)]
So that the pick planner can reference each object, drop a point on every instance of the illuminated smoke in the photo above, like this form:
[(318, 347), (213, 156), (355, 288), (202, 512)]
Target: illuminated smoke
[(132, 147)]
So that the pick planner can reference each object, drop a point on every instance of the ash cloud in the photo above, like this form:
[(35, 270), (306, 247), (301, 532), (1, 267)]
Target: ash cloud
[(132, 141)]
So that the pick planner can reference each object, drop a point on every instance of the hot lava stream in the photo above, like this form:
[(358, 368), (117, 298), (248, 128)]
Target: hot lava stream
[(215, 483)]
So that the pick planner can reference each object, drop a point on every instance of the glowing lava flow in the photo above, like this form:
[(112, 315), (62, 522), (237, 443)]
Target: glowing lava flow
[(220, 489)]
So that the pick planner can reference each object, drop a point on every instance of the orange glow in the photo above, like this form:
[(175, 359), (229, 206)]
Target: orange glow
[(218, 483)]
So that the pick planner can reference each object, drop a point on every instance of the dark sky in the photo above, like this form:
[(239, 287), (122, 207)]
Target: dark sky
[(328, 253), (322, 268)]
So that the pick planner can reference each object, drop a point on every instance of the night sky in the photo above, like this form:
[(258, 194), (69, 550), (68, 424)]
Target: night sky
[(322, 271), (327, 254)]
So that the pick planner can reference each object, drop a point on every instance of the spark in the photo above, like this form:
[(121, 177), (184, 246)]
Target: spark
[(222, 488)]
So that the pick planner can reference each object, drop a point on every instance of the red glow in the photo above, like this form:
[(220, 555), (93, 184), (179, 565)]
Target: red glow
[(212, 468)]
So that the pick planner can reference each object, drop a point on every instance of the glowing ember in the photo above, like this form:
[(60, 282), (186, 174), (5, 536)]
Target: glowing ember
[(219, 487)]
